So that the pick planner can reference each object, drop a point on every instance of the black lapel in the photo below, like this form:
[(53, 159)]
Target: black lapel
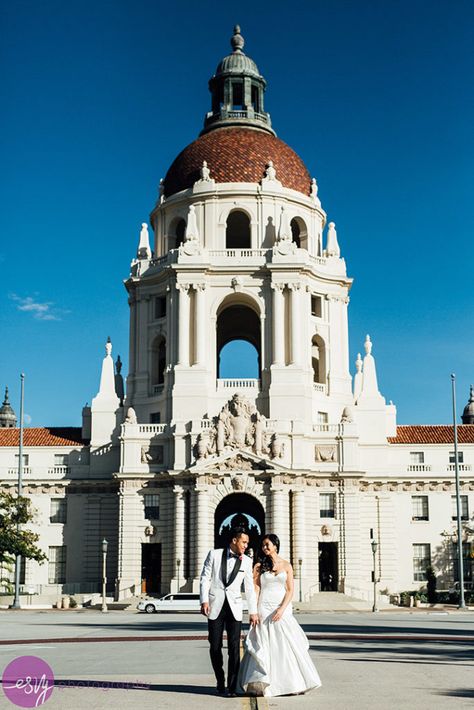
[(233, 574), (224, 567)]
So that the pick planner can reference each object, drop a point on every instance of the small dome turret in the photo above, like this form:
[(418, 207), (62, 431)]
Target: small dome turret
[(237, 90), (7, 415), (468, 413)]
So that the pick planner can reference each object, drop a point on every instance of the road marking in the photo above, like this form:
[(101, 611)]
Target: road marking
[(313, 637)]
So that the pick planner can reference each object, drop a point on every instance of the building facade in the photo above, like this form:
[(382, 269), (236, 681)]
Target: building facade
[(241, 250)]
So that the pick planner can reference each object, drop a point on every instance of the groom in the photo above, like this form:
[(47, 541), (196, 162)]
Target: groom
[(221, 601)]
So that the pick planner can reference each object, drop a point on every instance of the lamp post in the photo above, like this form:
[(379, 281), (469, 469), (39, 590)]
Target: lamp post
[(178, 565), (374, 546), (300, 564), (16, 599), (462, 603), (104, 578)]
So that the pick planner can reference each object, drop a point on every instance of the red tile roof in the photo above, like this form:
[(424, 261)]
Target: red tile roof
[(44, 436), (237, 155), (432, 434)]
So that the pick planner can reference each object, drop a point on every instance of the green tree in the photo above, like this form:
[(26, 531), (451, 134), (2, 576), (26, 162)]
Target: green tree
[(15, 541)]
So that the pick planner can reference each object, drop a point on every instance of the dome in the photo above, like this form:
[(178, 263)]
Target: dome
[(237, 63), (237, 155), (468, 413)]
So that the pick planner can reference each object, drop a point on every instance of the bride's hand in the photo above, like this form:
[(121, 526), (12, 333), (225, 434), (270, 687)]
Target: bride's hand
[(277, 615)]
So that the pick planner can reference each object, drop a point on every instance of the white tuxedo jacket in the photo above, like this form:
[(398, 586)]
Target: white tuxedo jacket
[(213, 591)]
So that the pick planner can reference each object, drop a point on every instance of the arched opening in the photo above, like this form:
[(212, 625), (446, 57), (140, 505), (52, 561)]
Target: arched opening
[(237, 233), (177, 232), (239, 510), (158, 364), (299, 232), (238, 323), (318, 359), (239, 358)]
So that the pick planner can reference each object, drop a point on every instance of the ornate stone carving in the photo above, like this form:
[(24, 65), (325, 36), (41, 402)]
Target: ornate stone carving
[(238, 483), (150, 530), (325, 454), (152, 454), (237, 463), (131, 417), (326, 530), (277, 447), (239, 426), (347, 416), (314, 192)]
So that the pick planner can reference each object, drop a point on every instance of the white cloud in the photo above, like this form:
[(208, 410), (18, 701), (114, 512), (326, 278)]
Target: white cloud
[(27, 419), (39, 311)]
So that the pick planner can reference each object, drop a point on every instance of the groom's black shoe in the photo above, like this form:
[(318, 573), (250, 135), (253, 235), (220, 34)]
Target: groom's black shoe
[(231, 694), (220, 689)]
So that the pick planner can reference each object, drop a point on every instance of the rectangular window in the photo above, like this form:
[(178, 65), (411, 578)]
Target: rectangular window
[(419, 508), (323, 417), (155, 418), (57, 564), (327, 505), (452, 457), (58, 510), (467, 561), (464, 508), (421, 561), (26, 459), (61, 459), (317, 306), (160, 306), (417, 457), (152, 506)]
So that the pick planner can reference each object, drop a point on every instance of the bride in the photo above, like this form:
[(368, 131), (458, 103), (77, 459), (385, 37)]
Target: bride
[(276, 660)]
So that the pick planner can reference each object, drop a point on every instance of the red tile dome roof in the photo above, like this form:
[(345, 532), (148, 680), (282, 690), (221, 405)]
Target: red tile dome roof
[(237, 155)]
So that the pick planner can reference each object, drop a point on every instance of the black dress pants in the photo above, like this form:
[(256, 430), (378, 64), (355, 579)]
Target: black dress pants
[(216, 627)]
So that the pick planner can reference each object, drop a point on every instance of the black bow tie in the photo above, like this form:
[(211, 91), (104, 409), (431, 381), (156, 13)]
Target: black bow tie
[(233, 554)]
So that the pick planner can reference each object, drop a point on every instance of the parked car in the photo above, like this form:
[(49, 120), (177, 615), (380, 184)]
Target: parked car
[(180, 601), (170, 602)]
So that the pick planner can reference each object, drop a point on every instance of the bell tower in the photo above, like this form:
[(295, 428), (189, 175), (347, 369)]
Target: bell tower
[(238, 253)]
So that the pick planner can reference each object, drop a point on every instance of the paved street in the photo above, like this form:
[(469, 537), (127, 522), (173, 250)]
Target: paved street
[(391, 660)]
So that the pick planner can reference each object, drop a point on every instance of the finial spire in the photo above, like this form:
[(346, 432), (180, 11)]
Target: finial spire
[(237, 41)]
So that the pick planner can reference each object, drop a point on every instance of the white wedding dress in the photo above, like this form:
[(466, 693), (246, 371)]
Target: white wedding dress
[(276, 660)]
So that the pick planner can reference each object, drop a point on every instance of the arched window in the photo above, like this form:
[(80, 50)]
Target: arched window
[(237, 233), (238, 343), (318, 359), (176, 235), (299, 232), (158, 361)]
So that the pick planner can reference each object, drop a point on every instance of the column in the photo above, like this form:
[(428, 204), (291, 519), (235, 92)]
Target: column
[(183, 324), (202, 544), (278, 332), (200, 324), (298, 532), (295, 325), (280, 518), (179, 549)]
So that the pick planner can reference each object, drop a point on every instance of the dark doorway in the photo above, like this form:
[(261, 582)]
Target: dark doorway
[(328, 573), (151, 568), (239, 510)]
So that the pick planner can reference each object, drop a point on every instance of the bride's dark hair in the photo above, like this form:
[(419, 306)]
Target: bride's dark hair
[(266, 562)]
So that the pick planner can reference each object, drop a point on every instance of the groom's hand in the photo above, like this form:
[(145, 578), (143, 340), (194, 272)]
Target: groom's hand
[(205, 608), (253, 618)]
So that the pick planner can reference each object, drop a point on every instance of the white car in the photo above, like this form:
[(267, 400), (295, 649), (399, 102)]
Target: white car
[(171, 602), (181, 601)]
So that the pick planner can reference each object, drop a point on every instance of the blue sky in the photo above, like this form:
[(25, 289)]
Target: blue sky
[(98, 98)]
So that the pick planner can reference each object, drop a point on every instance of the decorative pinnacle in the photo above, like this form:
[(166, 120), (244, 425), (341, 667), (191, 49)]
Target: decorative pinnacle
[(471, 397), (7, 402), (237, 41), (368, 345)]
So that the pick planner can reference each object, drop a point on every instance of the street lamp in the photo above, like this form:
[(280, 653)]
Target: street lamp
[(104, 578), (178, 564), (16, 599), (462, 603), (374, 546), (300, 563)]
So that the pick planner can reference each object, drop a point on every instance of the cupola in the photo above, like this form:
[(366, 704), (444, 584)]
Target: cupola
[(468, 413), (7, 415), (237, 90)]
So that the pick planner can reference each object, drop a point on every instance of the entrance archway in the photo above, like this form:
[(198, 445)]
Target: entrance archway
[(239, 510)]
